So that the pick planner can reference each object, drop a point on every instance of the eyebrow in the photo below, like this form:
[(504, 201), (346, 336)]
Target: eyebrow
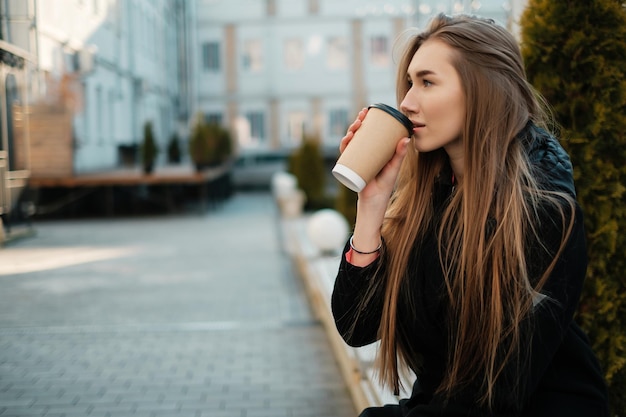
[(422, 73)]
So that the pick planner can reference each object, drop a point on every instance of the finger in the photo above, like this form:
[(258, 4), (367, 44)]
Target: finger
[(403, 146), (360, 116), (393, 166), (355, 125), (345, 141), (401, 151)]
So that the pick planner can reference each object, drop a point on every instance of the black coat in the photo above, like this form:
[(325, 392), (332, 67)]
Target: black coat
[(561, 375)]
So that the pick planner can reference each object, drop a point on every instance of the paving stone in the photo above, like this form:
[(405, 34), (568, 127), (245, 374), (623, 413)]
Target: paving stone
[(182, 315)]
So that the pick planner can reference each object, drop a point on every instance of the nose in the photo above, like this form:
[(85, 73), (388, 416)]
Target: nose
[(409, 103)]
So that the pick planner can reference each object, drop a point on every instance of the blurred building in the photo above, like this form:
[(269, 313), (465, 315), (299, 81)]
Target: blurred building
[(277, 69), (94, 72), (115, 65), (18, 86)]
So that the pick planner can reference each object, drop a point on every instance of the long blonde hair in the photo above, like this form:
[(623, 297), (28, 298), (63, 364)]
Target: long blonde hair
[(490, 220)]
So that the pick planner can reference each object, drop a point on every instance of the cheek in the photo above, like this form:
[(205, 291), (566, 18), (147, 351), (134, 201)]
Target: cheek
[(459, 120), (448, 109), (456, 113)]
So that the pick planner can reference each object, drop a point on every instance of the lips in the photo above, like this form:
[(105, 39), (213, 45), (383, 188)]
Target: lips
[(417, 126)]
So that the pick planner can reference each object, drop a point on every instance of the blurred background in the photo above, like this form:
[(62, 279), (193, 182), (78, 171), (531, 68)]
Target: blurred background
[(86, 83)]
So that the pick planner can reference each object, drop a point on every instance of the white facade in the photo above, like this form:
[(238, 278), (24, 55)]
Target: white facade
[(273, 69), (121, 59)]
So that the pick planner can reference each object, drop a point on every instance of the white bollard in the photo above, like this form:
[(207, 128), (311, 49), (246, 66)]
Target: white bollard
[(328, 231), (283, 183)]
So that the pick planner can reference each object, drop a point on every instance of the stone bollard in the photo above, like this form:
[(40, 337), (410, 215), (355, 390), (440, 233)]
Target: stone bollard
[(328, 231), (289, 198)]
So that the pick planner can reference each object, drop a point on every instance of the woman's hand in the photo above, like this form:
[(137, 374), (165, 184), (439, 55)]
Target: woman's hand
[(352, 129), (374, 198), (382, 185)]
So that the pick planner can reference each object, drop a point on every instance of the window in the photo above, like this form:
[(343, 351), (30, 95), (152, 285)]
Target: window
[(113, 14), (111, 111), (213, 118), (295, 127), (338, 123), (314, 6), (252, 55), (211, 56), (379, 51), (99, 115), (270, 7), (86, 112), (12, 98), (165, 125), (257, 126), (294, 54), (337, 53)]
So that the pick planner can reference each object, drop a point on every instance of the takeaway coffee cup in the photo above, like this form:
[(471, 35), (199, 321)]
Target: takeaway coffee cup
[(372, 146)]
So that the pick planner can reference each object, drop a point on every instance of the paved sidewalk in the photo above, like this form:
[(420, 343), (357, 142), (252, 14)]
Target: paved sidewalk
[(165, 316)]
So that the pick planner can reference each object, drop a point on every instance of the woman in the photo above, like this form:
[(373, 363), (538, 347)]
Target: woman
[(468, 254)]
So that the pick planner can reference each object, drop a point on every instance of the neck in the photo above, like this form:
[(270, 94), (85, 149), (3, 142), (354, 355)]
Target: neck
[(455, 154), (457, 169)]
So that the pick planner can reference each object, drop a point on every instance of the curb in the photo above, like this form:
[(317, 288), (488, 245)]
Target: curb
[(318, 274)]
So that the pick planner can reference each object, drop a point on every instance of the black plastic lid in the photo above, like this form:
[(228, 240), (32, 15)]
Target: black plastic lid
[(397, 114)]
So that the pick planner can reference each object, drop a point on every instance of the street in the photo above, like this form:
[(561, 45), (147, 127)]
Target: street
[(179, 315)]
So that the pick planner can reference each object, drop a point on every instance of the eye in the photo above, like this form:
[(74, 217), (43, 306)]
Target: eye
[(409, 82), (427, 83)]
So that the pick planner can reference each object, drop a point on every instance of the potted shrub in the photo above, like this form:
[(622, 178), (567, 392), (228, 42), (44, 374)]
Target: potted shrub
[(149, 149), (223, 144), (173, 150), (209, 144), (307, 164), (199, 147), (345, 203)]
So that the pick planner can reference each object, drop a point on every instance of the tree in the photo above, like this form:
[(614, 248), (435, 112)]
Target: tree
[(209, 144), (173, 149), (345, 203), (149, 148), (575, 54), (307, 165)]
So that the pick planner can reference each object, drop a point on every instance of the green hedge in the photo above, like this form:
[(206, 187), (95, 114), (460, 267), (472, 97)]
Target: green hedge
[(575, 54)]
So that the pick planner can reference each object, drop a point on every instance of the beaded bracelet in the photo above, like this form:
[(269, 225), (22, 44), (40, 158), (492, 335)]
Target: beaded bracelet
[(380, 245)]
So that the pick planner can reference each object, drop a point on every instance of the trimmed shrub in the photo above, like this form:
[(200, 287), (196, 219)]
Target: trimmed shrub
[(149, 148), (575, 54), (173, 150), (307, 164), (345, 203), (209, 144), (224, 146)]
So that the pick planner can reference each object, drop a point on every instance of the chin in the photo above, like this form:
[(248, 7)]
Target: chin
[(423, 147)]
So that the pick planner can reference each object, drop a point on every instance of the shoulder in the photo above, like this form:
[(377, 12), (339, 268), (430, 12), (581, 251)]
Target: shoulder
[(548, 159)]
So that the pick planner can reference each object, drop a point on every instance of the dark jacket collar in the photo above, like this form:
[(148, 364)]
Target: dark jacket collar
[(550, 161)]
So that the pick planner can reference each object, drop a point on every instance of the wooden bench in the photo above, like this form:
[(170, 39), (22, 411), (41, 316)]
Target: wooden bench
[(208, 186)]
